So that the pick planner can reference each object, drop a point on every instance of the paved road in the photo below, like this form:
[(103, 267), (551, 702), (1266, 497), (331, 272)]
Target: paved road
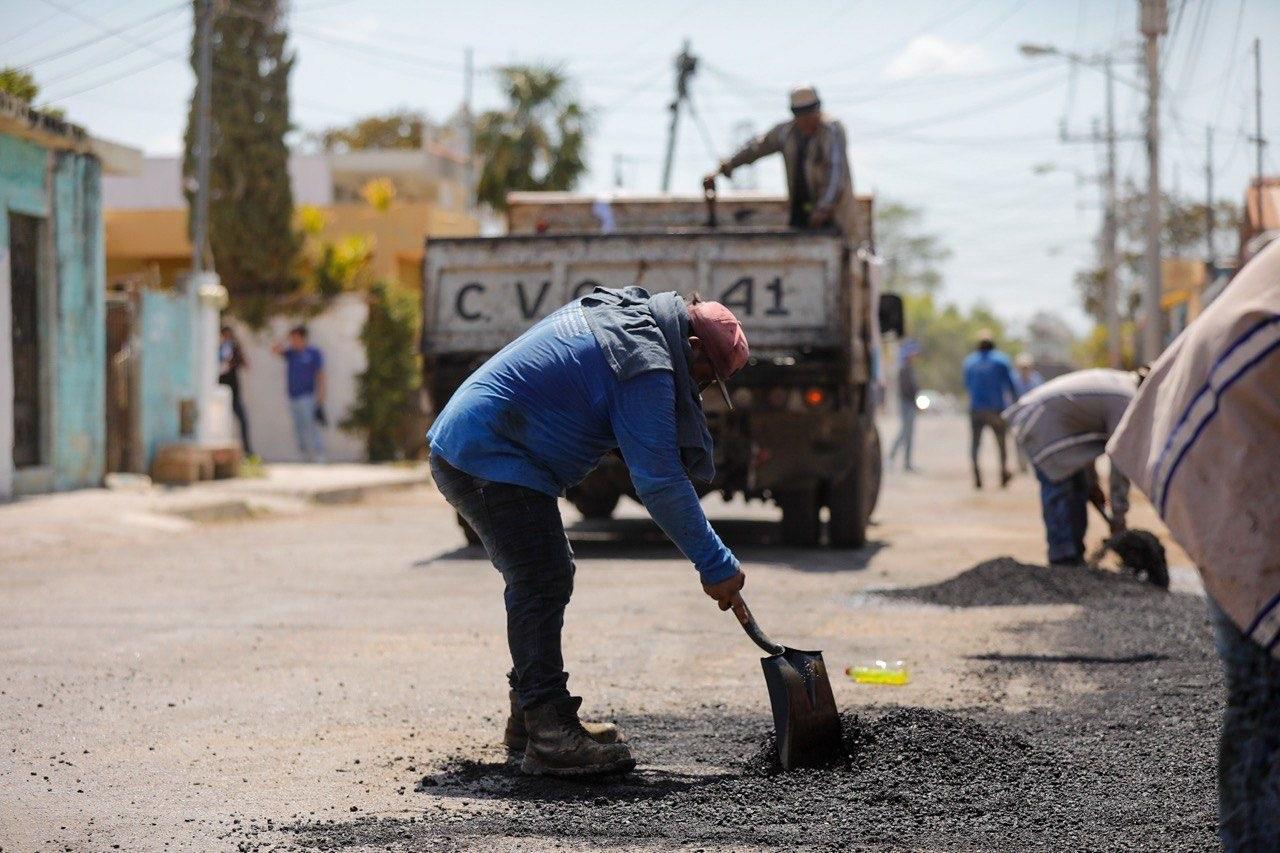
[(164, 691)]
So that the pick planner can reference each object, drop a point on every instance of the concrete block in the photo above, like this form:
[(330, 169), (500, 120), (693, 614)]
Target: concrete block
[(181, 465)]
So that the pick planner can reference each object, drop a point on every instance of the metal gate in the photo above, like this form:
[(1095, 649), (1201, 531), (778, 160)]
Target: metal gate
[(24, 280), (122, 382)]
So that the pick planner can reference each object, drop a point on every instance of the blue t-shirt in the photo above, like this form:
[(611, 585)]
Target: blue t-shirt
[(988, 376), (301, 367), (542, 412)]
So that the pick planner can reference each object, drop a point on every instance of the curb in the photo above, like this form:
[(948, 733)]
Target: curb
[(242, 508)]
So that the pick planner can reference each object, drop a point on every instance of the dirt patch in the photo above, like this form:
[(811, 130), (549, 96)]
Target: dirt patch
[(1005, 581)]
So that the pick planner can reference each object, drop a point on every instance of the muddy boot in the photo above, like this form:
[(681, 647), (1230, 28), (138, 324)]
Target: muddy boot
[(558, 745), (516, 735)]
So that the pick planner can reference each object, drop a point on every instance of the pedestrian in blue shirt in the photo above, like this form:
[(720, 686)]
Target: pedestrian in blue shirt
[(988, 376), (616, 369), (304, 383)]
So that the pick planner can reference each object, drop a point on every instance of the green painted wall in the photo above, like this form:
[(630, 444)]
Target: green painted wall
[(79, 438)]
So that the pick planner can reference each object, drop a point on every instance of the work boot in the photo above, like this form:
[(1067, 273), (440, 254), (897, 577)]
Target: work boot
[(558, 745), (517, 735)]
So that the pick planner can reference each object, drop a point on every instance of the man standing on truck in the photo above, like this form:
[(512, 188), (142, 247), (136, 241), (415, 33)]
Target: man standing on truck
[(615, 369), (988, 377), (819, 179)]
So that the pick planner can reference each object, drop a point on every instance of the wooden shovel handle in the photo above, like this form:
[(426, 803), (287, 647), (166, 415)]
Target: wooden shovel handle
[(759, 637)]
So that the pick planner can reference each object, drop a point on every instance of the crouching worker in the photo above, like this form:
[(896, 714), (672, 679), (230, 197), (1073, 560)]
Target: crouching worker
[(1063, 426), (615, 369), (1201, 441)]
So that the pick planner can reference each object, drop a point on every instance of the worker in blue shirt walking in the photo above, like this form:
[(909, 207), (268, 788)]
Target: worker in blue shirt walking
[(615, 369), (988, 376)]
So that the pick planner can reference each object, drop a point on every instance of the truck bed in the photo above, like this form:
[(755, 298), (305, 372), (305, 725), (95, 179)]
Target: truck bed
[(785, 286)]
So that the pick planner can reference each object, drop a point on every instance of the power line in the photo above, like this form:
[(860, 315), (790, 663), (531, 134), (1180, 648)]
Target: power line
[(58, 54)]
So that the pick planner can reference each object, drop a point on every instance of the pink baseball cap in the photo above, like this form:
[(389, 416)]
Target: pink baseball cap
[(722, 339)]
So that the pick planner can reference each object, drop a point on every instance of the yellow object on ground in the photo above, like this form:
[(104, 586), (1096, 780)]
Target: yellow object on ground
[(880, 672)]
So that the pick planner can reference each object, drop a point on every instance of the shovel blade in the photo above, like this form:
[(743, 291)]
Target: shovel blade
[(805, 719)]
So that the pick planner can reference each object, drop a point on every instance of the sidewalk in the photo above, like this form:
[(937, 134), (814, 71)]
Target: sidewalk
[(87, 517)]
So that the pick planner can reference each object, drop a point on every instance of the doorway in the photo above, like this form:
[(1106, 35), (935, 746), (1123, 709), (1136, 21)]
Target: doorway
[(122, 382), (24, 281)]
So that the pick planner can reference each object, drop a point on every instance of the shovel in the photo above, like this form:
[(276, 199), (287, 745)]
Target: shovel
[(805, 719)]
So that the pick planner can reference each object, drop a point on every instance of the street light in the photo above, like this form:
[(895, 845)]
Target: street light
[(1034, 50), (1109, 224)]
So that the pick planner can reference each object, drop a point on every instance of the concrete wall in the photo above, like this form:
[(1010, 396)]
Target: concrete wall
[(64, 189), (168, 372), (336, 333), (79, 436)]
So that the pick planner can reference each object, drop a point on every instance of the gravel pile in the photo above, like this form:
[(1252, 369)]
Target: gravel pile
[(1005, 581), (1127, 764)]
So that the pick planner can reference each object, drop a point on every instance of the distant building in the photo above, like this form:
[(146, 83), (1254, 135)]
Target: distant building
[(53, 368), (146, 214), (1260, 219)]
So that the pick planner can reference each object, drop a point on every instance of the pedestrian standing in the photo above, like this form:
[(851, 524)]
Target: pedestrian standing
[(613, 370), (305, 386), (231, 361), (988, 377), (1025, 379), (908, 391), (1201, 441), (1063, 427)]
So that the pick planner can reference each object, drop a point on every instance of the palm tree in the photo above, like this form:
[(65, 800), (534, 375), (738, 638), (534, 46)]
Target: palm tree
[(537, 142)]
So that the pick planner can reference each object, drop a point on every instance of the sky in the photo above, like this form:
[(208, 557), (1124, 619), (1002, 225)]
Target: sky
[(941, 110)]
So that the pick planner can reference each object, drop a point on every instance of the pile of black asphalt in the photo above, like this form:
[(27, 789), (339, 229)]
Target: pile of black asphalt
[(1122, 759), (1005, 581)]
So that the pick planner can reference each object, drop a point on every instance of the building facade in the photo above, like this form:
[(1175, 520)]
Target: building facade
[(52, 306)]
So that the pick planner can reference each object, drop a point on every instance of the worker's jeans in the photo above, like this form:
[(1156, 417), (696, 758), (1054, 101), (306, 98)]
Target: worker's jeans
[(1065, 507), (980, 419), (524, 536), (1249, 751), (305, 428), (906, 434)]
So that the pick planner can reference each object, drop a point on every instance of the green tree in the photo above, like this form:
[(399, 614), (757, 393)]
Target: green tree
[(912, 257), (397, 129), (387, 389), (19, 83), (22, 85), (947, 334), (537, 141), (1183, 235), (251, 202)]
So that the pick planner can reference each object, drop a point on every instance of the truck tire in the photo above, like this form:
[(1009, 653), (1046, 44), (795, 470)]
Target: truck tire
[(854, 496), (597, 505), (801, 524), (875, 454), (472, 538)]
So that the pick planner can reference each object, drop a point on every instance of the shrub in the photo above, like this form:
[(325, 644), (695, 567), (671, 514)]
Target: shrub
[(386, 392)]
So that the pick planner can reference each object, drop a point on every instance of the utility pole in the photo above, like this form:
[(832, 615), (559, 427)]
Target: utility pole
[(1259, 141), (1109, 228), (1154, 22), (1110, 220), (686, 65), (1209, 218), (468, 78), (204, 135), (617, 171)]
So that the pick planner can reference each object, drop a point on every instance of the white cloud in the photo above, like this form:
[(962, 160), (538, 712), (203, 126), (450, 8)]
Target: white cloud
[(930, 56)]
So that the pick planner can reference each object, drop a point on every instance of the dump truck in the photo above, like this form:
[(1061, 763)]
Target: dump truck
[(801, 432)]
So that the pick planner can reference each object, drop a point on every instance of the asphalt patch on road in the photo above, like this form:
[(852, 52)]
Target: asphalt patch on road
[(1124, 759), (1006, 581)]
